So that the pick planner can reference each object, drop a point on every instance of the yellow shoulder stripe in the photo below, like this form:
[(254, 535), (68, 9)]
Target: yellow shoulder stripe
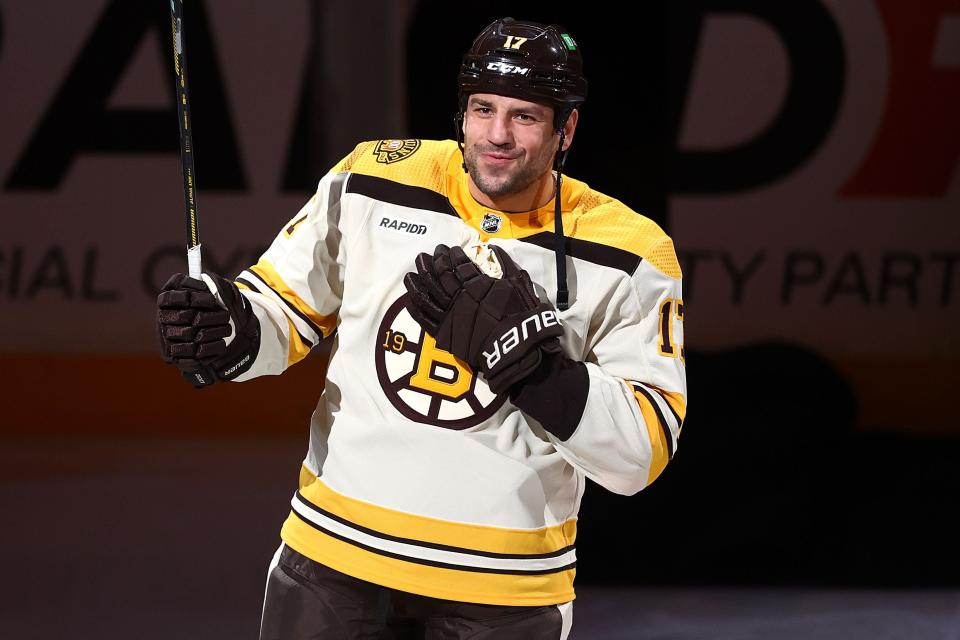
[(610, 222), (417, 163), (662, 255), (347, 163)]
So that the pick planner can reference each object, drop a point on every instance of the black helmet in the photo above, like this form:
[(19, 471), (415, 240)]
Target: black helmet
[(525, 60)]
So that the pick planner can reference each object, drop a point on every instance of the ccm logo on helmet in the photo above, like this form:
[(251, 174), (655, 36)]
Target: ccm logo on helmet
[(403, 226), (506, 343), (507, 69)]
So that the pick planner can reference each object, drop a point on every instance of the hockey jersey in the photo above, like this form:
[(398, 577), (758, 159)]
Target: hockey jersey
[(417, 476)]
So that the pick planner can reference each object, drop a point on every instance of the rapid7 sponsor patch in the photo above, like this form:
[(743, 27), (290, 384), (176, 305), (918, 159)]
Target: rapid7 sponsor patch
[(402, 226)]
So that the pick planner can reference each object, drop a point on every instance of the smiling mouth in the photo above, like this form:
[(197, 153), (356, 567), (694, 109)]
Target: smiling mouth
[(498, 159)]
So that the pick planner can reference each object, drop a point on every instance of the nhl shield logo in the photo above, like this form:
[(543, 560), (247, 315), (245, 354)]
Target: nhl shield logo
[(390, 151), (490, 223)]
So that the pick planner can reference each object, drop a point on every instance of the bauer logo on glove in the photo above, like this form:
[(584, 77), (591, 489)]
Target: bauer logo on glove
[(518, 334), (484, 311)]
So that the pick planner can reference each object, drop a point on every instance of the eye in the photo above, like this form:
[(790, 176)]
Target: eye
[(526, 117)]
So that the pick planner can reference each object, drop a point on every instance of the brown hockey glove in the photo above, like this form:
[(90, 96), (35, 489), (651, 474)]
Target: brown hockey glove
[(496, 325), (208, 341)]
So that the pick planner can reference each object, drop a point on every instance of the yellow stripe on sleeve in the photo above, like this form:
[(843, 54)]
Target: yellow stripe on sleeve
[(676, 402), (269, 274), (297, 349), (658, 439)]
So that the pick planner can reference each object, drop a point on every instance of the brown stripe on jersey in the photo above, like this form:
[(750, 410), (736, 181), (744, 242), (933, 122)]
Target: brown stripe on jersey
[(303, 338), (400, 194), (310, 323), (660, 418), (430, 545), (594, 252), (673, 411), (430, 563)]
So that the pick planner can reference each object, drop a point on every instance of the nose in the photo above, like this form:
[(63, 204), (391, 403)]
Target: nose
[(499, 132)]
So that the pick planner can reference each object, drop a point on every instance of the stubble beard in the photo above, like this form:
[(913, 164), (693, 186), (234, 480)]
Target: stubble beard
[(499, 184)]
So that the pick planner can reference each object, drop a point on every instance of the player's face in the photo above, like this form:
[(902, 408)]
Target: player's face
[(508, 147)]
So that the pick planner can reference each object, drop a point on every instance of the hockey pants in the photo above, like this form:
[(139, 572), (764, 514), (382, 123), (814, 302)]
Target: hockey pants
[(305, 599)]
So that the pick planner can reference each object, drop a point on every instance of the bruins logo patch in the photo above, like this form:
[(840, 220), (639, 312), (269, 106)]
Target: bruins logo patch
[(425, 383), (390, 151)]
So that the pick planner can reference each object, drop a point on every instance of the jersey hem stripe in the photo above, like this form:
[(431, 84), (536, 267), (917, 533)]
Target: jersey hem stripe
[(430, 581), (432, 545), (470, 537), (418, 560)]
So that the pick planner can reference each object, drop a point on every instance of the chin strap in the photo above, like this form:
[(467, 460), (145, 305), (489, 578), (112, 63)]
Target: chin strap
[(458, 128), (560, 249)]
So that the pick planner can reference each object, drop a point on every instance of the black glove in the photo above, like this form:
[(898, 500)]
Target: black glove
[(497, 326), (193, 326)]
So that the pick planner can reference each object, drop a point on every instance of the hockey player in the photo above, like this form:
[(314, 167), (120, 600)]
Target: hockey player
[(503, 333)]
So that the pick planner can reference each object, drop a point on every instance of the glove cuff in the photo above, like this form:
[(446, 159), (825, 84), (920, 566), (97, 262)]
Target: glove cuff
[(554, 394), (243, 345)]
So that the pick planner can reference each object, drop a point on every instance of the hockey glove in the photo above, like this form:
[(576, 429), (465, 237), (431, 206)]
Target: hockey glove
[(208, 337), (497, 326)]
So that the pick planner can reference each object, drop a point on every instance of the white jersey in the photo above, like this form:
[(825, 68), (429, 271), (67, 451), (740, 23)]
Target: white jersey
[(418, 477)]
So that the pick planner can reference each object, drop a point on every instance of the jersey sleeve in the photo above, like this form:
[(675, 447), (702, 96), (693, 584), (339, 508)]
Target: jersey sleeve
[(297, 285), (616, 415)]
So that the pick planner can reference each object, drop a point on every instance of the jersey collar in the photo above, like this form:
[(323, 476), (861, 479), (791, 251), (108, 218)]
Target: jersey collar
[(511, 225)]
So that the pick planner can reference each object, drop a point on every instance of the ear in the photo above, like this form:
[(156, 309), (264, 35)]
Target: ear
[(569, 128)]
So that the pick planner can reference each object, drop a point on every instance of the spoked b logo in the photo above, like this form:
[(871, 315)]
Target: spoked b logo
[(425, 383)]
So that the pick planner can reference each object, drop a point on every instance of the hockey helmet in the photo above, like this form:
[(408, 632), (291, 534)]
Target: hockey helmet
[(525, 60)]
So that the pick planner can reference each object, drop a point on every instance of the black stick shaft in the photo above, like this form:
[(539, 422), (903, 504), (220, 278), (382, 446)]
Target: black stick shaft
[(186, 139)]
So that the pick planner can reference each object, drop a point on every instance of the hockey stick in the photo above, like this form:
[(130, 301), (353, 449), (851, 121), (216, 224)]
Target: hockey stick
[(186, 140)]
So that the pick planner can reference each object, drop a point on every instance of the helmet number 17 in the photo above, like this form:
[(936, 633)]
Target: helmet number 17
[(514, 42)]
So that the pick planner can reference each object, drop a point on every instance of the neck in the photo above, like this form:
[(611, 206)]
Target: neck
[(534, 196)]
